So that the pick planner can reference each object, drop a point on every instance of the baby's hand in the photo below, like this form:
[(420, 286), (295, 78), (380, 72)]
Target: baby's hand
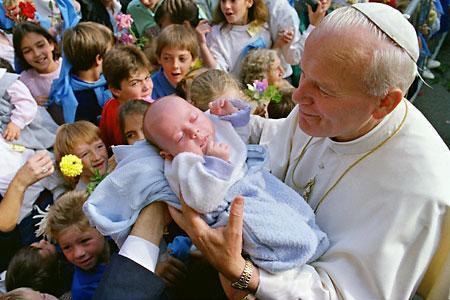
[(219, 150), (12, 132), (222, 107)]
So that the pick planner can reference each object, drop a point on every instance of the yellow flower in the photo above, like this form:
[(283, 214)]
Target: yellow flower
[(71, 165)]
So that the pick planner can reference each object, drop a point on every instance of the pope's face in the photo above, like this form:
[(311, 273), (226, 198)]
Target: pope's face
[(332, 101)]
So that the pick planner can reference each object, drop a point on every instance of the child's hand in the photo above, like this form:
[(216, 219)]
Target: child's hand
[(202, 29), (285, 37), (171, 271), (41, 100), (222, 107), (12, 132), (315, 17), (219, 150)]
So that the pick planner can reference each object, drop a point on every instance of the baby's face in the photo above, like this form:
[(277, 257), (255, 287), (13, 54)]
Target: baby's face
[(178, 126)]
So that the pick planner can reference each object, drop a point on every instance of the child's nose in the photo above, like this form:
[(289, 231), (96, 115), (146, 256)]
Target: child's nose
[(96, 155), (79, 251)]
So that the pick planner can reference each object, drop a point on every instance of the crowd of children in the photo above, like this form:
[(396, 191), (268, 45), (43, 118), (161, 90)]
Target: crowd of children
[(71, 92)]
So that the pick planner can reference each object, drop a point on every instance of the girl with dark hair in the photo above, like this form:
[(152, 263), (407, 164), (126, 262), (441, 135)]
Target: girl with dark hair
[(38, 55)]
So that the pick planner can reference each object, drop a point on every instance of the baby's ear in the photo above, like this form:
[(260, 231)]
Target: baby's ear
[(166, 155)]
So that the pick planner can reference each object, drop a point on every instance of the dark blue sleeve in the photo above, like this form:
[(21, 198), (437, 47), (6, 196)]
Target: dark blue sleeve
[(125, 279)]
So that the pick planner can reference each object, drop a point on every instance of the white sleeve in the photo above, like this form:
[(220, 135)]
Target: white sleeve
[(284, 16), (201, 189), (299, 283), (25, 107), (262, 130), (140, 251), (215, 44)]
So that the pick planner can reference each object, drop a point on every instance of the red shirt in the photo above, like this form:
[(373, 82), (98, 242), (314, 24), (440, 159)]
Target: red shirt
[(109, 124)]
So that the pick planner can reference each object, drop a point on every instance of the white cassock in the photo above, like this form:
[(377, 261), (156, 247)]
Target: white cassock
[(383, 216)]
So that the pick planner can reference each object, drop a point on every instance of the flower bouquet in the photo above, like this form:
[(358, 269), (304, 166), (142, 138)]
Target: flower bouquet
[(125, 34), (261, 91), (20, 10)]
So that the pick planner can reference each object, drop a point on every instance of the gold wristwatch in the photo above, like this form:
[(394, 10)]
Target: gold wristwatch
[(244, 280)]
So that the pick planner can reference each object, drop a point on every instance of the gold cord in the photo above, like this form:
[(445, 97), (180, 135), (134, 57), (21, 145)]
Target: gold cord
[(378, 146)]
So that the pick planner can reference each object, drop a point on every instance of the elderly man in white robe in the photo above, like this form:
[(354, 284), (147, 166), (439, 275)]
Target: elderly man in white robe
[(371, 166)]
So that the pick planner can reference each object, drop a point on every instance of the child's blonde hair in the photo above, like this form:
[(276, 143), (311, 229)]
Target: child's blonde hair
[(258, 13), (183, 88), (68, 136), (210, 85), (17, 294), (67, 212), (179, 37), (256, 65), (82, 44)]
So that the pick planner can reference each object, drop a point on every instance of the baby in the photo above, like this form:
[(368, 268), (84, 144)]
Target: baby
[(20, 120), (208, 164)]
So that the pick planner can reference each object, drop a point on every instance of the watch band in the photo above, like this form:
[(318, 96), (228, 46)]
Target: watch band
[(244, 279)]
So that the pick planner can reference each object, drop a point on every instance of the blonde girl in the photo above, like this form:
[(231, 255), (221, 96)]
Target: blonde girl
[(260, 64), (82, 139), (239, 25), (215, 84)]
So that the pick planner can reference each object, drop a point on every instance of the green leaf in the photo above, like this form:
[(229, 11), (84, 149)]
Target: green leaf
[(94, 181)]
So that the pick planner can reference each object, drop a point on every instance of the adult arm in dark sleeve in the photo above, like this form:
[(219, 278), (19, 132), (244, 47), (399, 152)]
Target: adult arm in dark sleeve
[(130, 274)]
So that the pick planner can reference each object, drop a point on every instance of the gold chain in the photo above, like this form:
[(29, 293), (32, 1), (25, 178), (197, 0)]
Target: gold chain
[(357, 161)]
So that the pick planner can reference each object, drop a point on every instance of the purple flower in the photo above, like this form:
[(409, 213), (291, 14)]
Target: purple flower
[(126, 38), (123, 21), (260, 86)]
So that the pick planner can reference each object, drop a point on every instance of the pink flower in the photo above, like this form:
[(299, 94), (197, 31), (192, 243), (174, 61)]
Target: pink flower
[(260, 86), (126, 38), (124, 21)]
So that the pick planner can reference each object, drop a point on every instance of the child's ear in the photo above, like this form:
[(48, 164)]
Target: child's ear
[(166, 155), (187, 25), (194, 62), (115, 91), (249, 3), (52, 46), (98, 59)]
